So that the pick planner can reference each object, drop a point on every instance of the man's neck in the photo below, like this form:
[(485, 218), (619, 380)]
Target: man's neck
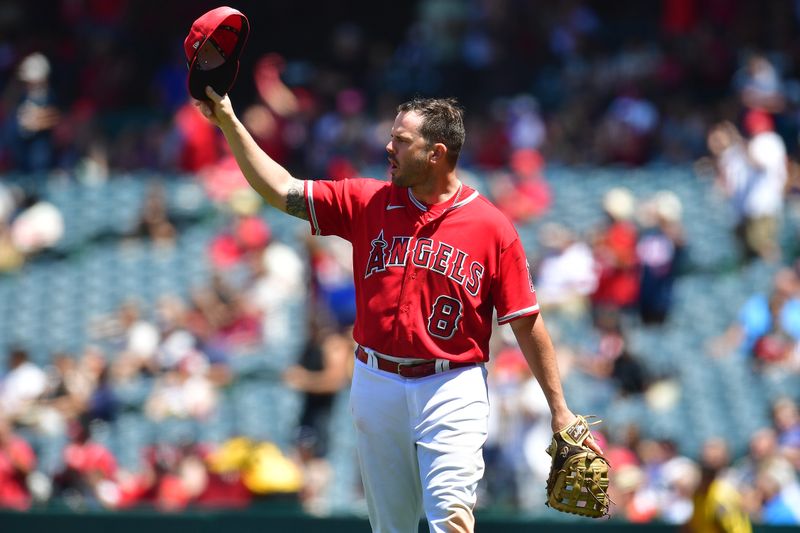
[(437, 191)]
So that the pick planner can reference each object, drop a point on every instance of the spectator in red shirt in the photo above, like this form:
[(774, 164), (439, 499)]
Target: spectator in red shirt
[(523, 193), (17, 460), (247, 234), (615, 253), (198, 147), (89, 468)]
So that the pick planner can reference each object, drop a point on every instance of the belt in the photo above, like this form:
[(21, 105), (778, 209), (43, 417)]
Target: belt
[(407, 370)]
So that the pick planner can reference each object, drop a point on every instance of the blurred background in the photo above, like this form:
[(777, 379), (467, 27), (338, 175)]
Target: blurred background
[(168, 342)]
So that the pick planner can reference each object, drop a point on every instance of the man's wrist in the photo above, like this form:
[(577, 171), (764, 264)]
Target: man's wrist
[(227, 123), (561, 417), (559, 409)]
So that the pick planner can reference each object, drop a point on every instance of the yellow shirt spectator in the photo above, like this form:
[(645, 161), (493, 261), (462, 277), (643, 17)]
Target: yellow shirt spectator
[(719, 510)]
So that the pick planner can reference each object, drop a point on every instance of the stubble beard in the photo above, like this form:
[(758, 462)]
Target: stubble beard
[(413, 173)]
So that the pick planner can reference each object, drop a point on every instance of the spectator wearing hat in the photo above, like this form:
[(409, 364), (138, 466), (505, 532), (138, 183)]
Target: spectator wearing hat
[(566, 273), (759, 85), (34, 118), (661, 250), (763, 202), (615, 253)]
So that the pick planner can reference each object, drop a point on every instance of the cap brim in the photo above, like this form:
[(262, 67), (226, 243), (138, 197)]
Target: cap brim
[(220, 79)]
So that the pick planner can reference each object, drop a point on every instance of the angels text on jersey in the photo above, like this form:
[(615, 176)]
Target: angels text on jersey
[(424, 252)]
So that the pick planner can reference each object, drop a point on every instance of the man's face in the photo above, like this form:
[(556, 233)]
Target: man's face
[(409, 153)]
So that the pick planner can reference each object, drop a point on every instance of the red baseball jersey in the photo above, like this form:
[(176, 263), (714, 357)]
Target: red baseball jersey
[(427, 277)]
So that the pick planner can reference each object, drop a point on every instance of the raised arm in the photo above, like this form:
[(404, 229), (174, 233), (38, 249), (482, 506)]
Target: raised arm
[(269, 179)]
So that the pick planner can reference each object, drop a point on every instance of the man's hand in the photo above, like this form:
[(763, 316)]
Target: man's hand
[(564, 419), (219, 110)]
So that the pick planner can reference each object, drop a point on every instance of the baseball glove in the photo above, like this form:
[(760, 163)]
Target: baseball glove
[(578, 480)]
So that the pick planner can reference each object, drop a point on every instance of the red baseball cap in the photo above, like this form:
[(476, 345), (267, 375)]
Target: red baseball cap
[(225, 31)]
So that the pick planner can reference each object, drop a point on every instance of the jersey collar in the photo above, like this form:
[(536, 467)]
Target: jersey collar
[(464, 196)]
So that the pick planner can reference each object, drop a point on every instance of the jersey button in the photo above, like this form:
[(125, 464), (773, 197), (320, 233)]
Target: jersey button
[(414, 275)]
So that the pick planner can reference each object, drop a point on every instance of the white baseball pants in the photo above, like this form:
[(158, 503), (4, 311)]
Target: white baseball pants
[(420, 444)]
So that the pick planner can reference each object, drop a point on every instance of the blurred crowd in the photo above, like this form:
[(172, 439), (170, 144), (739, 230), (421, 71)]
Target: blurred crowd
[(582, 82), (704, 82)]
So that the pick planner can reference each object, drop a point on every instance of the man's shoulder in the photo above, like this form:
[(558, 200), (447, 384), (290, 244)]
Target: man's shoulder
[(367, 181), (359, 189), (366, 186), (485, 212), (481, 219)]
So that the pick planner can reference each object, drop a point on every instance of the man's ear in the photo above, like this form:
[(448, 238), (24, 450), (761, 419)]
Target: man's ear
[(439, 152)]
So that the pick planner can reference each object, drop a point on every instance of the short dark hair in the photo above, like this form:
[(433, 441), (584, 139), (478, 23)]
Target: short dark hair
[(442, 122)]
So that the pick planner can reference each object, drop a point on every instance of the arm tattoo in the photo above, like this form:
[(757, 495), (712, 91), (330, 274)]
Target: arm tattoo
[(295, 202)]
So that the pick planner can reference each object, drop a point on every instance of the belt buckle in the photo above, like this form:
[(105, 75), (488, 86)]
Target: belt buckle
[(400, 366)]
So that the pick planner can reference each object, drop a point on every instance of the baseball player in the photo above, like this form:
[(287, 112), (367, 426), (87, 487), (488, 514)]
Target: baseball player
[(433, 260)]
